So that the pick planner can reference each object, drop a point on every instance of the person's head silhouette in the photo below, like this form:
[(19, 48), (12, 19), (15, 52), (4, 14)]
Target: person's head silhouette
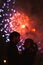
[(28, 42), (14, 37)]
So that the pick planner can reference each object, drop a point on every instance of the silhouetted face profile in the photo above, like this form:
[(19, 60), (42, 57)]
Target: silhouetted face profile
[(14, 37)]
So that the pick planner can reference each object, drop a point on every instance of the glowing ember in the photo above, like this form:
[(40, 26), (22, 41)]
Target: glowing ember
[(23, 26), (33, 30), (4, 61)]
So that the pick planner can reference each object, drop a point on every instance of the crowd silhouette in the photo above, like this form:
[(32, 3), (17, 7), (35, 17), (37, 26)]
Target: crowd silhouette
[(23, 57)]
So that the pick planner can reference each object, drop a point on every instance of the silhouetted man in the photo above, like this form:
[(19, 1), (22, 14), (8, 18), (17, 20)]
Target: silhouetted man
[(29, 52), (13, 53)]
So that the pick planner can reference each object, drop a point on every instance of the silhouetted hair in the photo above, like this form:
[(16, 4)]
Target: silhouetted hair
[(28, 40), (16, 34)]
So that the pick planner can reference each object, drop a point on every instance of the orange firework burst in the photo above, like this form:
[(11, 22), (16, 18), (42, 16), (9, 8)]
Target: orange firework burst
[(19, 22), (33, 30)]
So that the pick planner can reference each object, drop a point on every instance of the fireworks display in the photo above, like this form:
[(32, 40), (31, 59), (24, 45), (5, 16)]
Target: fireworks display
[(7, 7), (25, 17), (13, 18), (19, 22)]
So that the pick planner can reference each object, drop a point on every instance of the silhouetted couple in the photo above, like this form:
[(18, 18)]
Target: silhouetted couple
[(24, 57)]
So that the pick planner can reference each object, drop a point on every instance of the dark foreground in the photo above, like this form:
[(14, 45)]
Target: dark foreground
[(38, 60)]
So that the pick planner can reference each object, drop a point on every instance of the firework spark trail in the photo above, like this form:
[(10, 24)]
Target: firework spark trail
[(5, 13)]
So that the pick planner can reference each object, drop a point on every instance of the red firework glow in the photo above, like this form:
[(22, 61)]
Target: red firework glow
[(20, 23), (25, 25)]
